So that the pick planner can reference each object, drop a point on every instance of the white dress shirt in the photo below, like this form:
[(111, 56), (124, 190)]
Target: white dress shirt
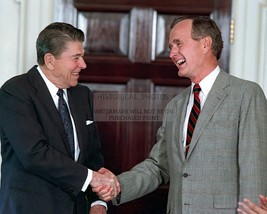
[(53, 91), (205, 86)]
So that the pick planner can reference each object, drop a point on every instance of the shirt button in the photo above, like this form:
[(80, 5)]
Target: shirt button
[(185, 175)]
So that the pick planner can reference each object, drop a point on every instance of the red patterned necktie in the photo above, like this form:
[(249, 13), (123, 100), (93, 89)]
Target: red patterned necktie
[(193, 117)]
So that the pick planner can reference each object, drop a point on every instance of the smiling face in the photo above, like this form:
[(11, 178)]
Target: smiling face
[(64, 69), (189, 55)]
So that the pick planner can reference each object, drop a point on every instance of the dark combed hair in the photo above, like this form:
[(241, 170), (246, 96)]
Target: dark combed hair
[(54, 37), (203, 26)]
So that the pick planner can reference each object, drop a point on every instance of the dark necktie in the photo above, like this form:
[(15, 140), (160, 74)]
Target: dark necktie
[(193, 117), (66, 120)]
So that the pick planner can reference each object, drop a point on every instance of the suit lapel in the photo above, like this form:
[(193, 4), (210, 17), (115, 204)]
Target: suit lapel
[(78, 118), (181, 106), (44, 97), (215, 98)]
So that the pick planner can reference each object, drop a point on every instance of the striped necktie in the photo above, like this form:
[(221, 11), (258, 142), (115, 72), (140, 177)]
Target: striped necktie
[(193, 117), (66, 120)]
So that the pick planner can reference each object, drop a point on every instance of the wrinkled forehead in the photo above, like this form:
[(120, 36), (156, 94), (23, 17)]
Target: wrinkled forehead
[(183, 25), (181, 30)]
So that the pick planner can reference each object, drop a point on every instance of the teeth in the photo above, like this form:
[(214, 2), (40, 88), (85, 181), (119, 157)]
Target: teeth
[(180, 61)]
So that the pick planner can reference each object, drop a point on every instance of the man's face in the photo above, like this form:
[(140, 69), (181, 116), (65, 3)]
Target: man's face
[(186, 53), (68, 65)]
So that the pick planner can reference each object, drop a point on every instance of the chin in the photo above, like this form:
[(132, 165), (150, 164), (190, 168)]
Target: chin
[(74, 84), (180, 74)]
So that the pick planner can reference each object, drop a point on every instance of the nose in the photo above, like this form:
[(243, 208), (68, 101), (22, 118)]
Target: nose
[(82, 63), (173, 52)]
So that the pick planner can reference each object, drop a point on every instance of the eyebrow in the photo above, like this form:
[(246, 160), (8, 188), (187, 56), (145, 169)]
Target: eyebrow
[(76, 55), (175, 41)]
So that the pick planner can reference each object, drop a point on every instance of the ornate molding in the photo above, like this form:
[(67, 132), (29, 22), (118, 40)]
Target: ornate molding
[(263, 47)]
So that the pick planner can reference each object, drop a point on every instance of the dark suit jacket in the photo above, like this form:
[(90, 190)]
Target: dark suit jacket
[(38, 174)]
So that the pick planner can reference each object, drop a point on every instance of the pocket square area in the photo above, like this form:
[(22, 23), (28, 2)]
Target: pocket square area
[(88, 122)]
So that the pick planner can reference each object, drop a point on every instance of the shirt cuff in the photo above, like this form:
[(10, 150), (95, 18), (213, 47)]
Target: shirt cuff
[(100, 203), (88, 180)]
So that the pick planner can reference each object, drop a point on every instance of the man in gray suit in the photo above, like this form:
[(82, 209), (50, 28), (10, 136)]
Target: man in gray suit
[(226, 159)]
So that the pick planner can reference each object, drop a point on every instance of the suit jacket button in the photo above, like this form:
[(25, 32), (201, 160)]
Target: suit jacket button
[(185, 175)]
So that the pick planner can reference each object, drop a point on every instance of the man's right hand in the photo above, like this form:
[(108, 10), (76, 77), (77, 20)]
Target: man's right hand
[(105, 184)]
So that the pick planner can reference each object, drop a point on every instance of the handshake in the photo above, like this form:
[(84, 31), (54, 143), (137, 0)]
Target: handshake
[(105, 184)]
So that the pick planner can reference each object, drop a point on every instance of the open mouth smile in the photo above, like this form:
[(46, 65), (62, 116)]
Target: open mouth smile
[(180, 61)]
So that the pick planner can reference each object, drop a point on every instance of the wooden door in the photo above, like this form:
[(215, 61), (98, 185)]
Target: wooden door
[(131, 75)]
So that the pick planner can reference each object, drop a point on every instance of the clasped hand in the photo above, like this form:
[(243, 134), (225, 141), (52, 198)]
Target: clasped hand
[(248, 207), (105, 184)]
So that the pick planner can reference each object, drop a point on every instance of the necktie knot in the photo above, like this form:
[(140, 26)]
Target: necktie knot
[(196, 88), (60, 92)]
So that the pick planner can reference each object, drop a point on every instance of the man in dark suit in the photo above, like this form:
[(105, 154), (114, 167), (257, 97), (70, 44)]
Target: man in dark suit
[(41, 171)]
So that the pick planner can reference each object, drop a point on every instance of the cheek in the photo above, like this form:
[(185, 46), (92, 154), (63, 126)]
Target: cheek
[(70, 76), (194, 54), (73, 66)]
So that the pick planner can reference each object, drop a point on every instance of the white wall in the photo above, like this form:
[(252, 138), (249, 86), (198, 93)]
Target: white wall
[(21, 21), (9, 39), (249, 50)]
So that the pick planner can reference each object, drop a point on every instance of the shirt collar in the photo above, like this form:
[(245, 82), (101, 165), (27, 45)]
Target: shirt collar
[(51, 87), (208, 81)]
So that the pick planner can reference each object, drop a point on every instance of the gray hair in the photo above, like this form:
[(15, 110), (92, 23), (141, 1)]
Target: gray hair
[(54, 37), (203, 26)]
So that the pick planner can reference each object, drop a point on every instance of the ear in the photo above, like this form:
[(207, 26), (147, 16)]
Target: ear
[(49, 60), (206, 44)]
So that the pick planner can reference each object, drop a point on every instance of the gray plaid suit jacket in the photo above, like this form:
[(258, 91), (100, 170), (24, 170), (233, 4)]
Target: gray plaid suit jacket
[(227, 159)]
